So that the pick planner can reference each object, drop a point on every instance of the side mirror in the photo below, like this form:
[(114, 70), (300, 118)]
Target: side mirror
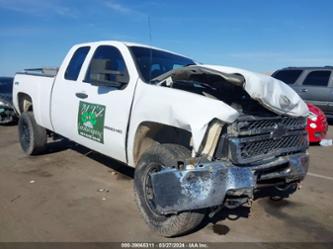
[(108, 79), (107, 83)]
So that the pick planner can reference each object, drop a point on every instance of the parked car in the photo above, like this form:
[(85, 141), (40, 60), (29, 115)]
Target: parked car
[(316, 124), (200, 137), (7, 111), (313, 84)]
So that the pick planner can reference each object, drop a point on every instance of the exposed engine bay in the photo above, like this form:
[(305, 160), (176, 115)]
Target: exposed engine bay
[(238, 91), (215, 87)]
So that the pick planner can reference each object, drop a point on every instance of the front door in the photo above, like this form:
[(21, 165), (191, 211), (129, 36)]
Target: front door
[(103, 115), (316, 90)]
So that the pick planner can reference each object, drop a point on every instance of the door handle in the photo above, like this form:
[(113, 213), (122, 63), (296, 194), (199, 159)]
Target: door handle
[(304, 90), (81, 95)]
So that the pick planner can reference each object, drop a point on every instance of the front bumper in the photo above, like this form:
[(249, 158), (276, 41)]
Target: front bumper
[(208, 184)]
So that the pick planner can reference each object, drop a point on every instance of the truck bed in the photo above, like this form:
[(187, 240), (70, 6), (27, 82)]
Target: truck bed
[(38, 85)]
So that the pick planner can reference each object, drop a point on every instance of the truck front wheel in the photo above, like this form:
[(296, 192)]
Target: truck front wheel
[(284, 191), (151, 161), (33, 138)]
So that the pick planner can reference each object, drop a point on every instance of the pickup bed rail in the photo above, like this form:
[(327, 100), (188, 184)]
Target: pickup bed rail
[(45, 72)]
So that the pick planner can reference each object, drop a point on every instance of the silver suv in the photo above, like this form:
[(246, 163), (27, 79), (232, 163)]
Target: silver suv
[(313, 84)]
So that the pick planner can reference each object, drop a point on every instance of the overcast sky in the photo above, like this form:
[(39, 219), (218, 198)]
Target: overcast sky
[(260, 35)]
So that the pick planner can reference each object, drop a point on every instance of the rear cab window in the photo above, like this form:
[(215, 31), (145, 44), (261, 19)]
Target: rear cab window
[(317, 78), (288, 76), (75, 64)]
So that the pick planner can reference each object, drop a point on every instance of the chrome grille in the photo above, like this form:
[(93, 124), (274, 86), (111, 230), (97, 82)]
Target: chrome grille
[(251, 139), (251, 126)]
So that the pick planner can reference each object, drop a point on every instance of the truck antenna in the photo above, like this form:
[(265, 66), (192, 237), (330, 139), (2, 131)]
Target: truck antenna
[(151, 50), (149, 30)]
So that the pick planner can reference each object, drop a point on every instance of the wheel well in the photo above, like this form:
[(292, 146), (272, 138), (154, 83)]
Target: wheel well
[(24, 102), (150, 133)]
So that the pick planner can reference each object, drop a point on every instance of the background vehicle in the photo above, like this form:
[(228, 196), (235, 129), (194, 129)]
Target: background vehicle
[(314, 84), (7, 112), (316, 124), (200, 137)]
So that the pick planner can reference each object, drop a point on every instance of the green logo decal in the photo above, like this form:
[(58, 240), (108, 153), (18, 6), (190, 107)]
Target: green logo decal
[(90, 121)]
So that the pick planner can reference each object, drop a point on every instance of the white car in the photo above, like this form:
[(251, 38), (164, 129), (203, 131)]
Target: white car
[(200, 137)]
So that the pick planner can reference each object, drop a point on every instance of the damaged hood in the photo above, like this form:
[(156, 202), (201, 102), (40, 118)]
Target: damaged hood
[(271, 93)]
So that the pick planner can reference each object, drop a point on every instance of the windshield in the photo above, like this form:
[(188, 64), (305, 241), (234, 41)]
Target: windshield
[(152, 63), (6, 85)]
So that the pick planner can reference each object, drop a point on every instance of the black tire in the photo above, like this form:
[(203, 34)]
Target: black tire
[(153, 159), (33, 138), (281, 192)]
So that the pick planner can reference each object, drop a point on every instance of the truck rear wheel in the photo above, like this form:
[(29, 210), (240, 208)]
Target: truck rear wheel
[(152, 161), (33, 138)]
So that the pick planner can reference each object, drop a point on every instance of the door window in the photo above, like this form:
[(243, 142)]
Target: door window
[(317, 78), (74, 66), (107, 66), (288, 76)]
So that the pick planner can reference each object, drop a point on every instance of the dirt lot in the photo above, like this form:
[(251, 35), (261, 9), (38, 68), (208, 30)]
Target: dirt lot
[(72, 194)]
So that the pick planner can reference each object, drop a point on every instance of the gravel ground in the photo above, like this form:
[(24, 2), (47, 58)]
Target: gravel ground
[(72, 194)]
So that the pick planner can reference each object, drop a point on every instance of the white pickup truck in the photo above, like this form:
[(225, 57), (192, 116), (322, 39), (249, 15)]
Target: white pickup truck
[(200, 137)]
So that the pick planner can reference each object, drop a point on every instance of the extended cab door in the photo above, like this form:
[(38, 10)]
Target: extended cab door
[(66, 92), (101, 101)]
